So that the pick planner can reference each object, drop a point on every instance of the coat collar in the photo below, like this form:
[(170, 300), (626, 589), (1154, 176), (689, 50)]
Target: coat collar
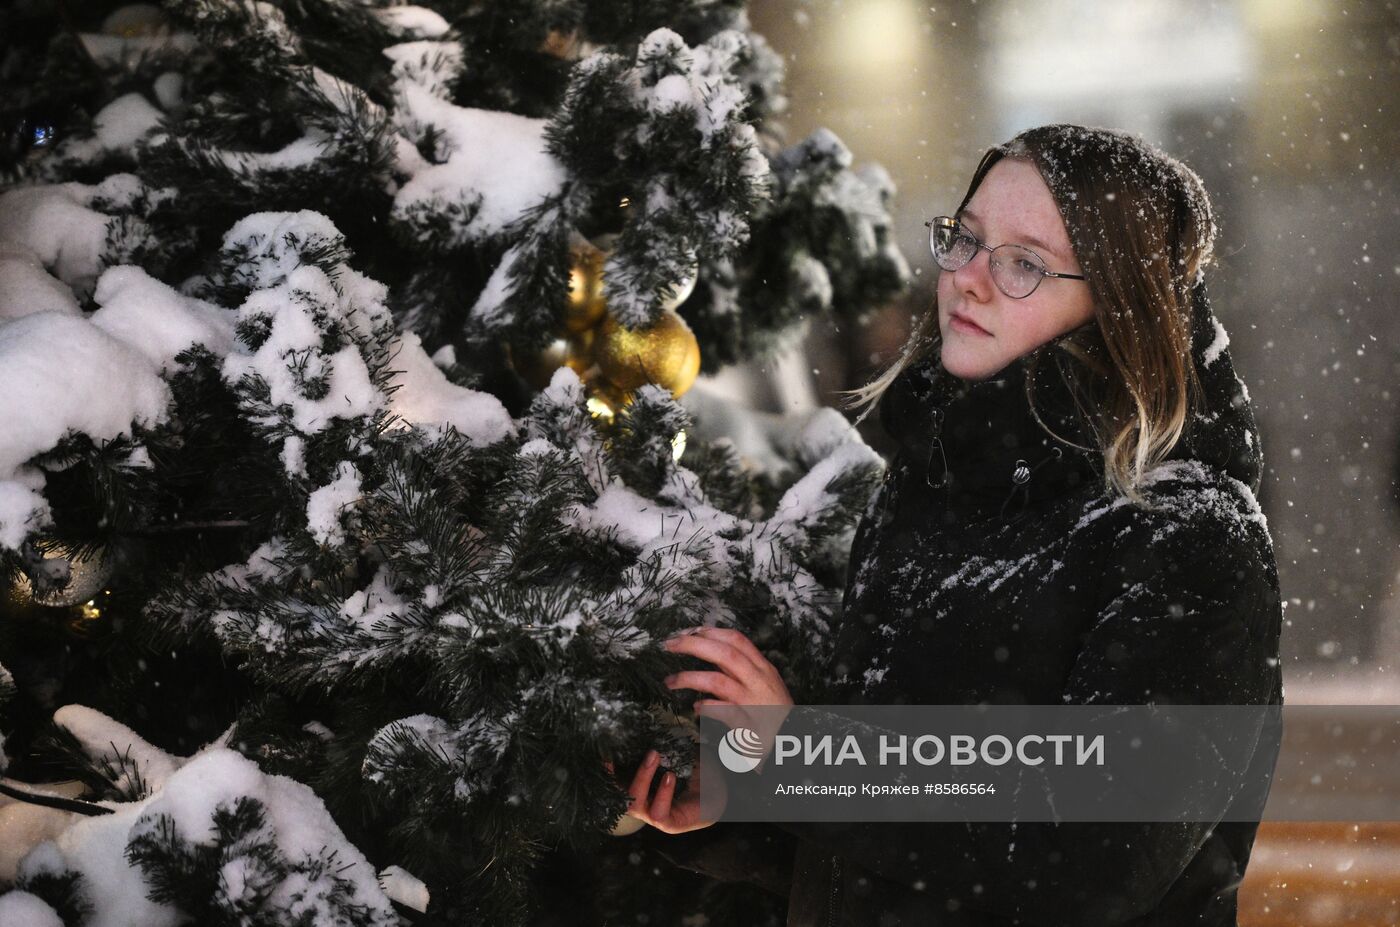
[(978, 442)]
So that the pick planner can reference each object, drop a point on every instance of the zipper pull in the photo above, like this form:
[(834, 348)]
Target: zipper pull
[(835, 884)]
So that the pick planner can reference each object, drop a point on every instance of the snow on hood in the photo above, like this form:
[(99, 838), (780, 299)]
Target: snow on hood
[(978, 433)]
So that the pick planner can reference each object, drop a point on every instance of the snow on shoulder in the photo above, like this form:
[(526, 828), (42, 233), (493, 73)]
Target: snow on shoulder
[(1191, 506)]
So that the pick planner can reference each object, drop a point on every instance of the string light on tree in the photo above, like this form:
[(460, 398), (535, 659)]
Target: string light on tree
[(86, 619)]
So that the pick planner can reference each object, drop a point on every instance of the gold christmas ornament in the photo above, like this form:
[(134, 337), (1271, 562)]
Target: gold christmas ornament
[(606, 397), (581, 344), (586, 306), (72, 580), (538, 369), (70, 594), (665, 353), (690, 369)]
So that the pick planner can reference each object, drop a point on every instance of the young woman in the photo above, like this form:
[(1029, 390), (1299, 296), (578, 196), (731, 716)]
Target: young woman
[(1070, 519)]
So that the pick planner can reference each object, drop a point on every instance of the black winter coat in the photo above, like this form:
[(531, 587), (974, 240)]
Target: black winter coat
[(1018, 580)]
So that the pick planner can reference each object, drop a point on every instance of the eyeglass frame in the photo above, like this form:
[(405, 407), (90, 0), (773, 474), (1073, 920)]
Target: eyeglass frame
[(954, 223)]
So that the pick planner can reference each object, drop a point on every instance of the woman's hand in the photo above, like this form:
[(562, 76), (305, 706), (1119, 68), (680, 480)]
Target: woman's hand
[(745, 677), (666, 813)]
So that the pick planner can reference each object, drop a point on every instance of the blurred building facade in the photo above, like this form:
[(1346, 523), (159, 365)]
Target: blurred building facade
[(1287, 109)]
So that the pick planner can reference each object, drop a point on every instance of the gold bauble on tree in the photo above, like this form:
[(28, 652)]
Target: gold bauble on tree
[(665, 353), (605, 398), (572, 351), (581, 345), (70, 597), (586, 306), (71, 580)]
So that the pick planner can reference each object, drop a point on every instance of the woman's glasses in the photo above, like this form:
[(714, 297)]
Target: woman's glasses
[(1016, 271)]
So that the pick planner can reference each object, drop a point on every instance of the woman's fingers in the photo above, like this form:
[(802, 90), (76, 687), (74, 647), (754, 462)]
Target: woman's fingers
[(734, 716), (740, 642), (661, 804), (702, 702), (707, 681), (641, 784), (665, 811), (729, 658), (735, 710), (659, 811)]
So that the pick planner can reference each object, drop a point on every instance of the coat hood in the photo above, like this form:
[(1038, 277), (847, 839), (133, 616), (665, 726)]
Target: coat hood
[(978, 441)]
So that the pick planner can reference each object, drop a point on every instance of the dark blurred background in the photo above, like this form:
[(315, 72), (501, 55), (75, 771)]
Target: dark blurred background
[(1288, 111)]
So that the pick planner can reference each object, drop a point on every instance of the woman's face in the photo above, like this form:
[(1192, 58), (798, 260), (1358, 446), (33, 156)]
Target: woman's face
[(1011, 206)]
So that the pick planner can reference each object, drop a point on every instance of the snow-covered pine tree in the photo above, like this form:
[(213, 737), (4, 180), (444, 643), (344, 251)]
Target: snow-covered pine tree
[(305, 581)]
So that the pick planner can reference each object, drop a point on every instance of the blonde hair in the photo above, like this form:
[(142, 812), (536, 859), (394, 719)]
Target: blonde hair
[(1131, 375)]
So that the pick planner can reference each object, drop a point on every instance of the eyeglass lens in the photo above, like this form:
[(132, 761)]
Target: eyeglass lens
[(1015, 270)]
